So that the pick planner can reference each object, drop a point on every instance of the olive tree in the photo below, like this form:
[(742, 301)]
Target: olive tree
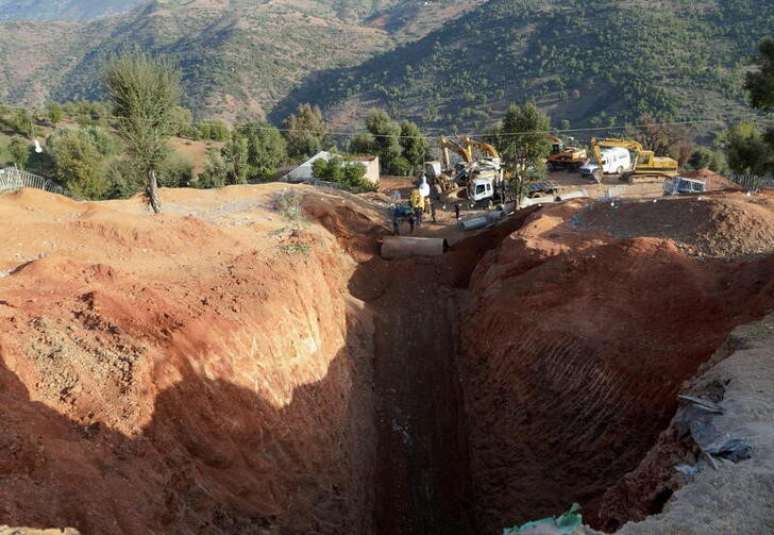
[(145, 92)]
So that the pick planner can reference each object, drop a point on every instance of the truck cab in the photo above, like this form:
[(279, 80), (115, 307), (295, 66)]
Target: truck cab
[(481, 189)]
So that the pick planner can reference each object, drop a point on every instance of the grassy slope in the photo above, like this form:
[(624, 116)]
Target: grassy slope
[(581, 62)]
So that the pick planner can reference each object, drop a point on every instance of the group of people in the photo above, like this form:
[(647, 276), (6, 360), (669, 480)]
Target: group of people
[(419, 203)]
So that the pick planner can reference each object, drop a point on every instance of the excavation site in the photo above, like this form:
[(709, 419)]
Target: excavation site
[(247, 362)]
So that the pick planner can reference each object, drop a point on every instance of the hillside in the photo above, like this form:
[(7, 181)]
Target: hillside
[(63, 9), (237, 58), (591, 64)]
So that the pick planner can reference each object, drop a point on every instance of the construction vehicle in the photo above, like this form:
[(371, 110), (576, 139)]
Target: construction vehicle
[(482, 178), (564, 157), (646, 166), (441, 175), (492, 156), (612, 161)]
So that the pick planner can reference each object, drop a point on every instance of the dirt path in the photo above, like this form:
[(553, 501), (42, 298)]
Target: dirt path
[(422, 473)]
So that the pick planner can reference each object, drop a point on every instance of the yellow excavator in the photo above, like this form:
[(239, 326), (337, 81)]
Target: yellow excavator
[(489, 150), (465, 151), (646, 166), (562, 157)]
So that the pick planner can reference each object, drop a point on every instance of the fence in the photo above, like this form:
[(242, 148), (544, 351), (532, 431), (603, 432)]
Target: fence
[(753, 182), (12, 179)]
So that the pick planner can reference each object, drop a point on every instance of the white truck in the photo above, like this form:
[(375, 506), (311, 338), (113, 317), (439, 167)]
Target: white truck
[(615, 160)]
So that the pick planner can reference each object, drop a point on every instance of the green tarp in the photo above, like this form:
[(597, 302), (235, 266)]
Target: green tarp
[(562, 525)]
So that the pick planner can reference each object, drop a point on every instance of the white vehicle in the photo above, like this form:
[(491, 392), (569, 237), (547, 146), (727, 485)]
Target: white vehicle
[(481, 189), (615, 160)]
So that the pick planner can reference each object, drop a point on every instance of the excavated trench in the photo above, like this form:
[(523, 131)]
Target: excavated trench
[(455, 395), (487, 418)]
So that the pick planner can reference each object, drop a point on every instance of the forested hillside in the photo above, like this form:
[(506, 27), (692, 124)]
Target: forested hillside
[(595, 63), (447, 63)]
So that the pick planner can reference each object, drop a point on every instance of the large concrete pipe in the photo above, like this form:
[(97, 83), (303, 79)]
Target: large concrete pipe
[(406, 246)]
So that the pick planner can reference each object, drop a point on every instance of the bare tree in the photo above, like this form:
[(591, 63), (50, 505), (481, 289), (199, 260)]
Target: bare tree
[(145, 91)]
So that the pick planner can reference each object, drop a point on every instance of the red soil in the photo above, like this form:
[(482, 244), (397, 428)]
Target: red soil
[(165, 374), (223, 369), (574, 348)]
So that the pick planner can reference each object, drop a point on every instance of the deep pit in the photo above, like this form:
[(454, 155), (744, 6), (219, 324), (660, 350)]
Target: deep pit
[(249, 389)]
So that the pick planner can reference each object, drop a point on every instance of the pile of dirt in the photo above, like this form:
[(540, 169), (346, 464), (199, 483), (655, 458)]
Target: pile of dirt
[(180, 374), (715, 226), (574, 349), (713, 181)]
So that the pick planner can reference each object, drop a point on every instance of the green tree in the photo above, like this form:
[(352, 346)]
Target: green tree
[(145, 92), (760, 85), (215, 130), (103, 140), (341, 171), (236, 158), (266, 148), (523, 144), (55, 113), (215, 171), (747, 150), (123, 178), (386, 138), (181, 121), (306, 132), (414, 147), (176, 172), (706, 158), (20, 152), (22, 123), (363, 143), (79, 163)]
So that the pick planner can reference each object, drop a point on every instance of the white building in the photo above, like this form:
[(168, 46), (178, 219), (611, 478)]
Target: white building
[(303, 172)]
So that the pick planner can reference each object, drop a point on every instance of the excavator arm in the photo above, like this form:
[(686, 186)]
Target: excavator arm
[(465, 152), (486, 148)]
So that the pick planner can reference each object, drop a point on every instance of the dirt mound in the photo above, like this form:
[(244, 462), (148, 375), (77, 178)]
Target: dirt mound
[(713, 181), (573, 357), (180, 374), (726, 226)]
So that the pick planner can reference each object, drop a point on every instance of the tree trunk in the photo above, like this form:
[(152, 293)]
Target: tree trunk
[(153, 191)]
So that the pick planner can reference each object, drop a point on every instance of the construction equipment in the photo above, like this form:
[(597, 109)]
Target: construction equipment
[(646, 166), (492, 156), (446, 144), (564, 157), (482, 177)]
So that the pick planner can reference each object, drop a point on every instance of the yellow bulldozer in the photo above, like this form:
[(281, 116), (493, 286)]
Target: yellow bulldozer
[(564, 157), (645, 165)]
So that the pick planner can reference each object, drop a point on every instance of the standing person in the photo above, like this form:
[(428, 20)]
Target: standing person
[(418, 204)]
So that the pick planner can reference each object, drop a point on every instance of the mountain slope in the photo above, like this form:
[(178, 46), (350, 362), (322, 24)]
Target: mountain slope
[(63, 10), (238, 57), (592, 64)]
